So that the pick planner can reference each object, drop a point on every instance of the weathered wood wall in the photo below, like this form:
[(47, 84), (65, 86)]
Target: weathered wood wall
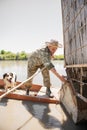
[(74, 14)]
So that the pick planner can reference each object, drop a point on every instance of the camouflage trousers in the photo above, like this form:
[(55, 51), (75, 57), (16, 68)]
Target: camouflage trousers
[(45, 75)]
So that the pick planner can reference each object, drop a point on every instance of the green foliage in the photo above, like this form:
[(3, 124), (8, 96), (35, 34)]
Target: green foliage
[(59, 57), (21, 56), (7, 55), (2, 52)]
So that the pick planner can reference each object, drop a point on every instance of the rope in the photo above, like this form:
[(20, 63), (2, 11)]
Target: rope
[(3, 95)]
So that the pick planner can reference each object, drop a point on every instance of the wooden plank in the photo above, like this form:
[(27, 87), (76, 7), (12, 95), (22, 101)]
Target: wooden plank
[(41, 99), (76, 65)]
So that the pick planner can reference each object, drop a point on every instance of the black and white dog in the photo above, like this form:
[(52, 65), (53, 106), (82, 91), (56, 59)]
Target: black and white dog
[(9, 80)]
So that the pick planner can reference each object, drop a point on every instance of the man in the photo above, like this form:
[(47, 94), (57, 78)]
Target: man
[(41, 58)]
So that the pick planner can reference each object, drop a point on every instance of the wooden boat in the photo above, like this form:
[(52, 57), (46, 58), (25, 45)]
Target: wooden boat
[(74, 103), (36, 94), (74, 99)]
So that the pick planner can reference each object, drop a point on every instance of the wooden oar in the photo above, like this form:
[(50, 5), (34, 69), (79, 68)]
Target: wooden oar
[(3, 95)]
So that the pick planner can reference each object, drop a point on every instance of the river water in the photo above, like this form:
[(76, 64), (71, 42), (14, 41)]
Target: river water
[(20, 68), (27, 115)]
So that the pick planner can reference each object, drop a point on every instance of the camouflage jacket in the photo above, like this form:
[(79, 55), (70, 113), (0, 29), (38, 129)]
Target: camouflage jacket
[(40, 57)]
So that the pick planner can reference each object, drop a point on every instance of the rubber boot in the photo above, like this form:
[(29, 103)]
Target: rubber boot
[(27, 91), (48, 92)]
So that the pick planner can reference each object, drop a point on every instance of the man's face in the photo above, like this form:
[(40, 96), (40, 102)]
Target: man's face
[(52, 49)]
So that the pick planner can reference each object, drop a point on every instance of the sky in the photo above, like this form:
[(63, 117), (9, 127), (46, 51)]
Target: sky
[(25, 25)]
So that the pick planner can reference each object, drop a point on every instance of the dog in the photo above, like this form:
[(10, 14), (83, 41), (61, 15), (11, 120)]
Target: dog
[(9, 80)]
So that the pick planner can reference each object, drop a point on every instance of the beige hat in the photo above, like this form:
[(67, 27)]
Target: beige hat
[(54, 43)]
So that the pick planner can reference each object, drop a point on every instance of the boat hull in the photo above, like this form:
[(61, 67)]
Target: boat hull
[(74, 103)]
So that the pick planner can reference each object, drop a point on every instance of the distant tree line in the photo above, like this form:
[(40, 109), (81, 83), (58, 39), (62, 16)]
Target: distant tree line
[(8, 55)]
